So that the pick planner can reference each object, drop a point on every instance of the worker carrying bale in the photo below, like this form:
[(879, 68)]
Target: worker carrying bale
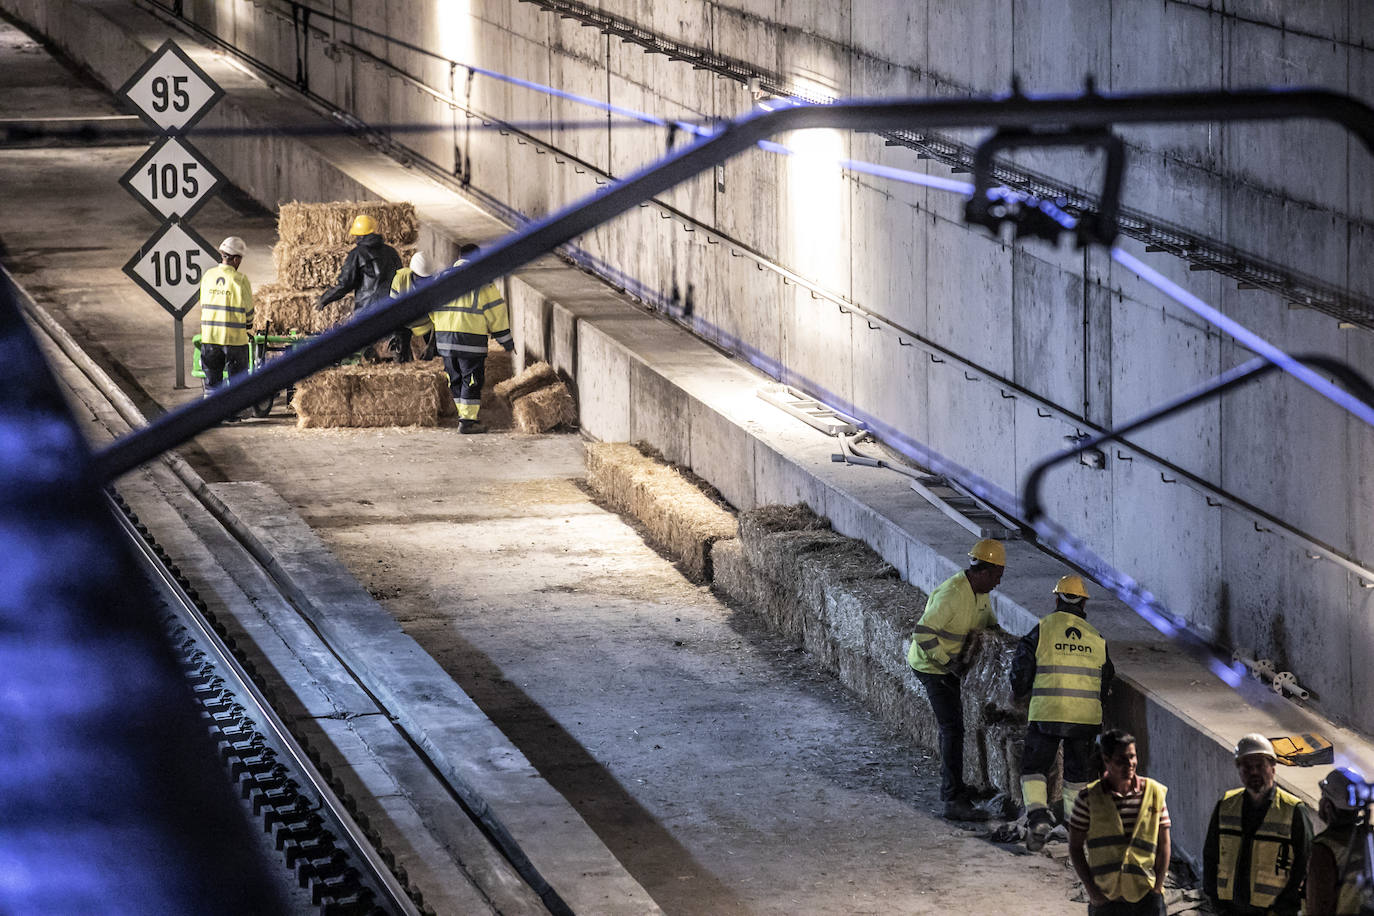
[(1063, 664), (957, 607), (461, 328), (367, 271)]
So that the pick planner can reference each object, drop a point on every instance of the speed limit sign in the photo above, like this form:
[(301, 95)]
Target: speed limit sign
[(170, 92), (170, 265), (172, 179)]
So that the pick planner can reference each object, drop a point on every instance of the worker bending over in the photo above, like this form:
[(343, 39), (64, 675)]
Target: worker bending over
[(1119, 835), (1259, 840), (1064, 666), (226, 313), (956, 608), (461, 328)]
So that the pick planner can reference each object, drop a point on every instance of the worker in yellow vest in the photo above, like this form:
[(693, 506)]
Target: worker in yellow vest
[(1259, 840), (226, 314), (1336, 863), (421, 269), (461, 329), (956, 608), (1063, 664), (1119, 835)]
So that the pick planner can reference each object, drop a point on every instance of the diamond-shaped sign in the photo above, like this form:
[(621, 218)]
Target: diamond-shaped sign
[(172, 179), (170, 265), (170, 92)]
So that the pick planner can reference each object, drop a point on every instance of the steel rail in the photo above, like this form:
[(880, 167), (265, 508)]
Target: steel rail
[(393, 897), (539, 238)]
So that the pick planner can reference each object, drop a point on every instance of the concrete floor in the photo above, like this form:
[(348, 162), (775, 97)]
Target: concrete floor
[(725, 771)]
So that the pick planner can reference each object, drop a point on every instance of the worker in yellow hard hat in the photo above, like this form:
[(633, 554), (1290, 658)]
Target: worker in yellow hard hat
[(1259, 840), (367, 271), (1063, 665), (956, 608)]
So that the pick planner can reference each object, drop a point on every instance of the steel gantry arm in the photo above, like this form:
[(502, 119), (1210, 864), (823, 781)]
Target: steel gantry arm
[(525, 245)]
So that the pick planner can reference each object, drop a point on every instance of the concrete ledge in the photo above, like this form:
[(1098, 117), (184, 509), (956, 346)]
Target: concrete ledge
[(494, 779)]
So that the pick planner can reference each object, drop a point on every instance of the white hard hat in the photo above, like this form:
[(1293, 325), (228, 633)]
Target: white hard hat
[(1255, 743), (1336, 788), (233, 245), (421, 265)]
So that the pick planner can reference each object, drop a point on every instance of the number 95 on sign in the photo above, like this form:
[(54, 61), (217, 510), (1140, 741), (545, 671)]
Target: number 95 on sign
[(170, 266), (170, 91)]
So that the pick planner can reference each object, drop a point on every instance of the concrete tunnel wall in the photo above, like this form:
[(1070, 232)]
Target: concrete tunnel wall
[(1070, 326)]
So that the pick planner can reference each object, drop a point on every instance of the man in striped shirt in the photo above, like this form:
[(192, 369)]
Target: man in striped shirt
[(1119, 835)]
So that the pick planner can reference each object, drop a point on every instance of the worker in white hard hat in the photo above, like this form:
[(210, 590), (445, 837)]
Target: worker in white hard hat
[(1063, 665), (1259, 839), (421, 268), (226, 316), (1334, 869), (956, 608)]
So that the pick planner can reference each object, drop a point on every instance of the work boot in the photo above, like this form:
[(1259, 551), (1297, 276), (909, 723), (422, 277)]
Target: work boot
[(1039, 823), (961, 809), (471, 426)]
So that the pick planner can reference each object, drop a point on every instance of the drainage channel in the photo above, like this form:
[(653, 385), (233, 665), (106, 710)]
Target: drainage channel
[(311, 826)]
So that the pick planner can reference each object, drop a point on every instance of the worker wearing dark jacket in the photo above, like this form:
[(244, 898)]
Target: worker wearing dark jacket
[(1258, 842), (368, 270), (1337, 862), (1064, 666)]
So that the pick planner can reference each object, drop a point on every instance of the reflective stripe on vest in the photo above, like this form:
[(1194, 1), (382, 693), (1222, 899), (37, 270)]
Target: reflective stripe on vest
[(226, 307), (1123, 867), (1068, 671), (1271, 850)]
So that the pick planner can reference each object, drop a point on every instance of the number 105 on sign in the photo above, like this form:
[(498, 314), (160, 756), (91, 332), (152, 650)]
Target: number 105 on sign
[(170, 266)]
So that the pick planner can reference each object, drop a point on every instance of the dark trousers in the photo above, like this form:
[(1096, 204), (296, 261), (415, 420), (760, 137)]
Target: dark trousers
[(1149, 905), (215, 359), (943, 692), (1038, 755), (466, 372)]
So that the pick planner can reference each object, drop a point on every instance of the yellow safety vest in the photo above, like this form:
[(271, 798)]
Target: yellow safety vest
[(1349, 865), (1271, 852), (1123, 867), (462, 325), (402, 283), (226, 307), (1068, 671), (952, 612)]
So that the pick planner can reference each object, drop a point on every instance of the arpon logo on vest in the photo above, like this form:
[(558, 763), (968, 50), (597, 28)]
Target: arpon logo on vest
[(1076, 646)]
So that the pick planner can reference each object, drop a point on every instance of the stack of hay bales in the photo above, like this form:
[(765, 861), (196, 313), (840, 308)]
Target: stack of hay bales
[(539, 400)]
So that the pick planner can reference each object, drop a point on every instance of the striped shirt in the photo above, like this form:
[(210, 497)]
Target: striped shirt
[(1128, 806)]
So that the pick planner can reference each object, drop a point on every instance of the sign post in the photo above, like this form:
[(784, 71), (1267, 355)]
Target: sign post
[(173, 181)]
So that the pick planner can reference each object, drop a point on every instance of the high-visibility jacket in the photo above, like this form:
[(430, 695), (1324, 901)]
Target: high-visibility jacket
[(226, 307), (1123, 867), (462, 326), (1349, 865), (402, 283), (1068, 671), (1271, 850), (952, 612)]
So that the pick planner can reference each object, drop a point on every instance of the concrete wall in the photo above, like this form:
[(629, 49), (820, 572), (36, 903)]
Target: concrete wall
[(1074, 328)]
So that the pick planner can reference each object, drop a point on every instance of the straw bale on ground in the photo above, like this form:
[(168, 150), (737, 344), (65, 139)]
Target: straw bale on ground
[(548, 408), (496, 410), (534, 377), (279, 310), (380, 394), (678, 517), (327, 223)]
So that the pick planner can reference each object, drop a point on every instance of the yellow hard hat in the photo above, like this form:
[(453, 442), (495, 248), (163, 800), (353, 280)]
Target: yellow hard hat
[(989, 551), (1071, 586), (362, 225)]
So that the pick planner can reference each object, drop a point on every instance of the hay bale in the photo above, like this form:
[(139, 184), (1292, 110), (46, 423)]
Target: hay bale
[(381, 394), (303, 267), (496, 411), (545, 409), (280, 310), (731, 574), (327, 223), (678, 518), (532, 379)]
